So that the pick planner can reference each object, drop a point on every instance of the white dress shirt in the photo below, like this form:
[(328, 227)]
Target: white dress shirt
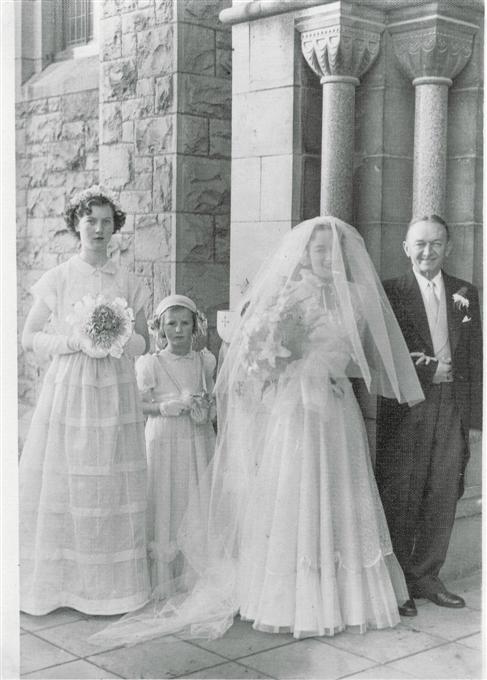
[(434, 299)]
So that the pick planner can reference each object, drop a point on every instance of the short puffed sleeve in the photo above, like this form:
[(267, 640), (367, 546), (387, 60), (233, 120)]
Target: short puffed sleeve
[(145, 371), (45, 288), (139, 293)]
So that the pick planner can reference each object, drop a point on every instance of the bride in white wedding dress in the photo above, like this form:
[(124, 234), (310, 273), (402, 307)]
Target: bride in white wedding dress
[(295, 538)]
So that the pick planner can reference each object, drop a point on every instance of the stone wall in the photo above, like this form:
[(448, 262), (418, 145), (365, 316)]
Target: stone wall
[(276, 140), (165, 143), (57, 154), (160, 92)]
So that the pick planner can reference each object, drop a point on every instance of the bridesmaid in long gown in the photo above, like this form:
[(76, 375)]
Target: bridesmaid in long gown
[(83, 467)]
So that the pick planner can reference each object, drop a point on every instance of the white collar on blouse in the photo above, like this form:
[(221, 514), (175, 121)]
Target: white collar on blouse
[(85, 268), (177, 357)]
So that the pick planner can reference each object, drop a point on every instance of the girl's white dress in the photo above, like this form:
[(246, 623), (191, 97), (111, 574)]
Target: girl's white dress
[(315, 553), (83, 467), (178, 453)]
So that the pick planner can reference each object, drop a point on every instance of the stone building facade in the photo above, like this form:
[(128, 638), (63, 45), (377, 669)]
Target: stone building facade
[(144, 107), (370, 110)]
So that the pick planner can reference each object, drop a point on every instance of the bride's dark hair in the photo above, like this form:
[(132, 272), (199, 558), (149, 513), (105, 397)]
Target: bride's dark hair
[(305, 262)]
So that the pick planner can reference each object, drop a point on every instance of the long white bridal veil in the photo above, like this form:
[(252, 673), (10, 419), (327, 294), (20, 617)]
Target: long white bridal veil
[(267, 338)]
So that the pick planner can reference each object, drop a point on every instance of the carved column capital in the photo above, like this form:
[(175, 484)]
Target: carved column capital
[(340, 42), (432, 45)]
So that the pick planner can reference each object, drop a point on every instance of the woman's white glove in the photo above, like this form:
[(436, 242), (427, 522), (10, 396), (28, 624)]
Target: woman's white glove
[(91, 350), (135, 345), (46, 344), (173, 407)]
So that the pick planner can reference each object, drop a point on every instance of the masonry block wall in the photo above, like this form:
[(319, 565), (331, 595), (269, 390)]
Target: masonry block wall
[(150, 117), (165, 103), (276, 142), (57, 154)]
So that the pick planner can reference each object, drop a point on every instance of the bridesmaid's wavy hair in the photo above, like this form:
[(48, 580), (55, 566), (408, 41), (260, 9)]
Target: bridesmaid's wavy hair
[(83, 205)]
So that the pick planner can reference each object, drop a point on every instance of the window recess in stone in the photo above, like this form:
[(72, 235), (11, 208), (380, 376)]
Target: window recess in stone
[(75, 24), (78, 21)]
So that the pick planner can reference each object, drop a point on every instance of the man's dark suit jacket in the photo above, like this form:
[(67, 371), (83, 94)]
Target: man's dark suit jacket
[(465, 334)]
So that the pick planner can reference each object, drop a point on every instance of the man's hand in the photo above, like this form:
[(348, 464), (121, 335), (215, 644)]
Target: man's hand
[(421, 358), (443, 372)]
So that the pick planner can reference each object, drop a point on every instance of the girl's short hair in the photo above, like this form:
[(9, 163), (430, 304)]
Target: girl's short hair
[(82, 204)]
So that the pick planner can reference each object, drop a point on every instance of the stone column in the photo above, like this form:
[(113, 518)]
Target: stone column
[(432, 48), (339, 43)]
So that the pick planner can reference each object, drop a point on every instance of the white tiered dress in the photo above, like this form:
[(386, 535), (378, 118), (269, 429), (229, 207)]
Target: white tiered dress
[(315, 553), (178, 452), (83, 467)]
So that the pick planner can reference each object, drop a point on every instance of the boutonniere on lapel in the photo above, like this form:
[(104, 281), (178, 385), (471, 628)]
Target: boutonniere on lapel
[(461, 303)]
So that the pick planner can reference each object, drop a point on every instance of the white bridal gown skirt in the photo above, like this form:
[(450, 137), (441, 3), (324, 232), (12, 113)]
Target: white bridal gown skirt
[(315, 553), (83, 491)]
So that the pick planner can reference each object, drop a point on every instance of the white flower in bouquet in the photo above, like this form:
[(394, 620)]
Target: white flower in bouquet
[(278, 335), (108, 324)]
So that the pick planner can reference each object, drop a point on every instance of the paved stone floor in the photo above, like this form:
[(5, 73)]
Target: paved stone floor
[(438, 643)]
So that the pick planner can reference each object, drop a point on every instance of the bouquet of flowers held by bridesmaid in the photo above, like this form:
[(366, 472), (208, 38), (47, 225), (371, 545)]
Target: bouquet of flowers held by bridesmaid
[(107, 324)]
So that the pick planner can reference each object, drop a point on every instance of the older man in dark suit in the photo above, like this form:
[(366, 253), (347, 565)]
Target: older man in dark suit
[(422, 450)]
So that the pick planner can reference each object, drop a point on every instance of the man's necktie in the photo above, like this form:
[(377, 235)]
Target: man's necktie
[(432, 302)]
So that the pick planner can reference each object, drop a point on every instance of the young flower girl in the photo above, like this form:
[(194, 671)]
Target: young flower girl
[(176, 384), (83, 467)]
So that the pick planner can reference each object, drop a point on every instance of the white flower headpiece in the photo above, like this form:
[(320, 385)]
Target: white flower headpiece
[(95, 191)]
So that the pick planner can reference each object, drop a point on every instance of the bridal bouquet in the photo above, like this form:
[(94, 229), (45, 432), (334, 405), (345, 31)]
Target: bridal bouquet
[(107, 324), (277, 335)]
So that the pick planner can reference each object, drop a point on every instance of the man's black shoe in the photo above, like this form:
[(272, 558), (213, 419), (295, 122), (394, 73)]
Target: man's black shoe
[(446, 599), (408, 608)]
